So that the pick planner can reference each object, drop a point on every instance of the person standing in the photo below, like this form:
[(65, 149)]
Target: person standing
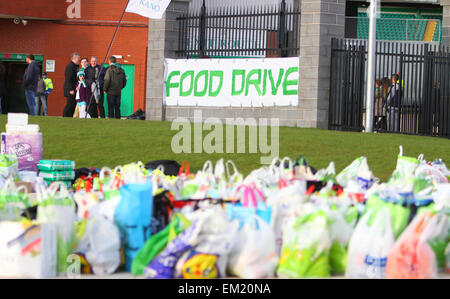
[(393, 103), (115, 81), (40, 97), (3, 90), (84, 63), (92, 78), (30, 81), (101, 82), (48, 89), (83, 95), (70, 84)]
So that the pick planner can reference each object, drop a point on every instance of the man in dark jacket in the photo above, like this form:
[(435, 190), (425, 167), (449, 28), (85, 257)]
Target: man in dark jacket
[(92, 79), (393, 104), (3, 90), (115, 81), (30, 81), (70, 84)]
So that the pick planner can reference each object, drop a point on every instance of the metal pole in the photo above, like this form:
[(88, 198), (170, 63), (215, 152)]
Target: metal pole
[(115, 32), (202, 30), (371, 66)]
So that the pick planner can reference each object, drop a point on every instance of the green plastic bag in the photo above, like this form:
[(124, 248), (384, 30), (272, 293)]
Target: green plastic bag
[(158, 242), (13, 201), (9, 166), (305, 250), (342, 224), (399, 214)]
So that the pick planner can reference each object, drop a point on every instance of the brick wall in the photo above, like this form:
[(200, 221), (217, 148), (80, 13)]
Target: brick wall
[(48, 9), (58, 40)]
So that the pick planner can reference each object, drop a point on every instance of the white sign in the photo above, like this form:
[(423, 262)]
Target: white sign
[(153, 9), (249, 82), (50, 66)]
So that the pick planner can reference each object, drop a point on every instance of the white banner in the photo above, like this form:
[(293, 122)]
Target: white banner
[(249, 82), (153, 9)]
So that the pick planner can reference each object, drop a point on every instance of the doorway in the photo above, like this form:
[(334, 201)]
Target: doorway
[(15, 65)]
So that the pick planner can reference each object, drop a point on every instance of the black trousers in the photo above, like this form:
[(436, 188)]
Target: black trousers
[(69, 110), (101, 108), (113, 106)]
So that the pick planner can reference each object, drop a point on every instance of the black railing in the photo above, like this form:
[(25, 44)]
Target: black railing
[(260, 31), (412, 90)]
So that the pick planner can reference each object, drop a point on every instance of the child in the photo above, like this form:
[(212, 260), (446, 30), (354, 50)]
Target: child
[(83, 95)]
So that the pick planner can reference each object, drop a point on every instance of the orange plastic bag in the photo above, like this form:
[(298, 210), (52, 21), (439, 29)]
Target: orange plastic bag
[(412, 257)]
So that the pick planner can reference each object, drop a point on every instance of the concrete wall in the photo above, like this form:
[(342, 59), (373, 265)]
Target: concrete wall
[(445, 22), (320, 21)]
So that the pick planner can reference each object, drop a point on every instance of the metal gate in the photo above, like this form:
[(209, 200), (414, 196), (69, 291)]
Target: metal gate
[(415, 74), (346, 86)]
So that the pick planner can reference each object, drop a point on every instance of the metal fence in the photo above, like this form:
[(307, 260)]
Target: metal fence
[(412, 88), (260, 31)]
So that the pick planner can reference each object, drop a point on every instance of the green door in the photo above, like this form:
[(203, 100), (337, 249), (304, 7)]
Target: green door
[(127, 100)]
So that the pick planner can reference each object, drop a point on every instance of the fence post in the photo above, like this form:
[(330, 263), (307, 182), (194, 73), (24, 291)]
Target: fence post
[(282, 29), (423, 123), (202, 30)]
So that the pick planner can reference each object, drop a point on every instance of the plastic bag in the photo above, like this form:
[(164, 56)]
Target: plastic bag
[(412, 256), (342, 223), (13, 201), (163, 266), (27, 250), (58, 208), (248, 194), (100, 246), (158, 242), (133, 216), (208, 258), (9, 166), (369, 246), (306, 244), (253, 255), (282, 204), (399, 215)]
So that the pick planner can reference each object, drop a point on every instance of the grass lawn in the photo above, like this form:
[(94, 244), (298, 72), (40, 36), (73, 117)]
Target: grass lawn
[(97, 143)]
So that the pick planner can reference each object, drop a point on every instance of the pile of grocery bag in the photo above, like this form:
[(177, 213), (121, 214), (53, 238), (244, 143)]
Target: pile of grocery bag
[(285, 220)]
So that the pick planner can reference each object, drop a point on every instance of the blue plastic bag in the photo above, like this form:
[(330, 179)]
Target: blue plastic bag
[(133, 216), (243, 214)]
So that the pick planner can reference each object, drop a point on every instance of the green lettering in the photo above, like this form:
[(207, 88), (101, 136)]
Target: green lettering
[(236, 73), (205, 88), (254, 82), (217, 74), (170, 85), (287, 82), (275, 86), (265, 83), (191, 87)]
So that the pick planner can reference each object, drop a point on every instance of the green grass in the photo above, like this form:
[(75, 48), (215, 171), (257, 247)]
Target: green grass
[(97, 143)]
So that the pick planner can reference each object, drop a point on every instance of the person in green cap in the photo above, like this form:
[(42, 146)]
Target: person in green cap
[(83, 95)]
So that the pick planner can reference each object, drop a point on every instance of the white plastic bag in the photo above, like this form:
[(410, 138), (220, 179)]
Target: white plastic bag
[(208, 257), (111, 197), (27, 250), (283, 204), (369, 247), (254, 254), (100, 245)]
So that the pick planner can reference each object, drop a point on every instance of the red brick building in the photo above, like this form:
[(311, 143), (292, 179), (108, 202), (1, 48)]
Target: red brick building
[(54, 29)]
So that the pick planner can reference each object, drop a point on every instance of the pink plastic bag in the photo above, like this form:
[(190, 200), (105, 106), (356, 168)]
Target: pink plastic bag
[(412, 257)]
